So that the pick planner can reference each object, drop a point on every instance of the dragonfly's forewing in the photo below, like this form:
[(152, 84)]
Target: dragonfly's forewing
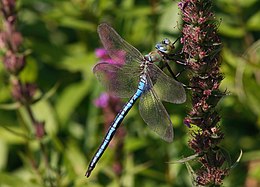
[(154, 114), (166, 88), (119, 79), (118, 49)]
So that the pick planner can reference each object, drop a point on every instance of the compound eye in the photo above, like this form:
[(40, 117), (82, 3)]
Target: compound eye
[(166, 41)]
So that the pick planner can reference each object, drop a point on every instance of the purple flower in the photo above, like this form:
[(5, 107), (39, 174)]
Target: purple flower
[(23, 92), (103, 55), (13, 62), (39, 128), (187, 122), (102, 101), (105, 99), (202, 56)]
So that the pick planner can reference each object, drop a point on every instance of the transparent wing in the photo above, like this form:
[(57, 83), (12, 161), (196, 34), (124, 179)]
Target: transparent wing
[(119, 79), (154, 114), (118, 49), (166, 88)]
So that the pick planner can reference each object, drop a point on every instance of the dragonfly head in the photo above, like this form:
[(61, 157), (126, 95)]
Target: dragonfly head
[(153, 57), (166, 46)]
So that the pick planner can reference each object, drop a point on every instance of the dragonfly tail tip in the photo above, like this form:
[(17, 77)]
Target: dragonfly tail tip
[(88, 173)]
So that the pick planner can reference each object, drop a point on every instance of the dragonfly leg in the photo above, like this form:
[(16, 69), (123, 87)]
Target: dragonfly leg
[(181, 62), (176, 57), (177, 75)]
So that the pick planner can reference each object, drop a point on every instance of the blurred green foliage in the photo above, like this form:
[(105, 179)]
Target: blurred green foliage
[(60, 37)]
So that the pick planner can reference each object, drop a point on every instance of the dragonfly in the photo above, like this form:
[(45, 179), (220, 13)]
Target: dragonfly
[(136, 76)]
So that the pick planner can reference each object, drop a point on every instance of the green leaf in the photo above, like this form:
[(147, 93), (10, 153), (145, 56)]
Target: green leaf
[(253, 22), (251, 155), (44, 111), (231, 31), (4, 154), (170, 19), (30, 72), (75, 158), (15, 181), (133, 144), (11, 106), (77, 24), (135, 12), (192, 174), (186, 159), (78, 61), (238, 160), (70, 98), (13, 135)]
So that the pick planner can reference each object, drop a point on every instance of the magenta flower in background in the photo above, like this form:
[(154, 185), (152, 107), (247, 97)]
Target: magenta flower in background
[(102, 101), (105, 98), (103, 55)]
